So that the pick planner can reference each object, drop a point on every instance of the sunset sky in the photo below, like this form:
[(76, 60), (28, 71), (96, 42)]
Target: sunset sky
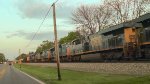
[(20, 19)]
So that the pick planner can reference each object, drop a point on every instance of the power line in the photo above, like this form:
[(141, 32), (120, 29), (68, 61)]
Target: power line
[(39, 26), (56, 1)]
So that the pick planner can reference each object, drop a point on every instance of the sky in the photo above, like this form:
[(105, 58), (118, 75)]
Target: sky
[(20, 19)]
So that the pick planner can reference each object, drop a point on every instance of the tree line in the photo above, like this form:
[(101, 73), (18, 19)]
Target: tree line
[(45, 45)]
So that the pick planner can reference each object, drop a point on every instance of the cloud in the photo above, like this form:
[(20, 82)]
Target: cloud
[(32, 8), (46, 35), (64, 11), (37, 9)]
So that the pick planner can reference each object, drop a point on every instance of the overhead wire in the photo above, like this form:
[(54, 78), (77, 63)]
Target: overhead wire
[(56, 1), (39, 27), (41, 24)]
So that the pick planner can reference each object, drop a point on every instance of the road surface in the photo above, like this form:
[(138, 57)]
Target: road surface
[(11, 75)]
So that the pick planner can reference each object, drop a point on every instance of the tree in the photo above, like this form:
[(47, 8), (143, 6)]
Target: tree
[(102, 14), (45, 45), (84, 18), (71, 36), (2, 57), (90, 18), (125, 10), (22, 56)]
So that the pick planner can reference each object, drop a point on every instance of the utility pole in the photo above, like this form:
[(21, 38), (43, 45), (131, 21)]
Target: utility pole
[(56, 43), (20, 58)]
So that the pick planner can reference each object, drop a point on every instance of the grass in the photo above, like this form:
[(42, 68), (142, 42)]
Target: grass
[(49, 76)]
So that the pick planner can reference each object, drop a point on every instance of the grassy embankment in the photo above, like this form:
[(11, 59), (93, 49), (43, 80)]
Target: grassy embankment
[(49, 76)]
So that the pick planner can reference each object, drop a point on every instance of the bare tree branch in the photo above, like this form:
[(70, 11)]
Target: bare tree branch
[(90, 18)]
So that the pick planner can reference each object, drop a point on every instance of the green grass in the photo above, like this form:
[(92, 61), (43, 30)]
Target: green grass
[(49, 76)]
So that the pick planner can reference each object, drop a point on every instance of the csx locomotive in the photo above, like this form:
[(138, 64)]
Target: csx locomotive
[(126, 41)]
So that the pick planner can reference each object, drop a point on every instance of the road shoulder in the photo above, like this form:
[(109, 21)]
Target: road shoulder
[(39, 81)]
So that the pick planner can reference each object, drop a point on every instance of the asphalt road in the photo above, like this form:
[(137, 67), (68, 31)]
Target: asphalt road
[(11, 75)]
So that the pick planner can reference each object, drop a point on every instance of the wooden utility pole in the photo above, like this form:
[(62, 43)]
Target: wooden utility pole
[(20, 58), (56, 43)]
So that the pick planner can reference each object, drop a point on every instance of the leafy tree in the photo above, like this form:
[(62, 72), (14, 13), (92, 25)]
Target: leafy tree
[(71, 36), (2, 57), (22, 56), (45, 45), (63, 40)]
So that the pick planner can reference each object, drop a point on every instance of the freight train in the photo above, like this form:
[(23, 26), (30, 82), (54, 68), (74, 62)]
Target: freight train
[(126, 41)]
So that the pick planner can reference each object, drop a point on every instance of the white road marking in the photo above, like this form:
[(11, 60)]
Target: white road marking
[(31, 76)]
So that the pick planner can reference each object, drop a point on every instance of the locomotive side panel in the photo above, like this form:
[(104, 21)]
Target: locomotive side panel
[(64, 50), (129, 35), (49, 55), (145, 43), (96, 41)]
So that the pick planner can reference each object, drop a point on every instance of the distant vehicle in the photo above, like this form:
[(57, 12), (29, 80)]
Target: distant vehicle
[(1, 62), (9, 63)]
